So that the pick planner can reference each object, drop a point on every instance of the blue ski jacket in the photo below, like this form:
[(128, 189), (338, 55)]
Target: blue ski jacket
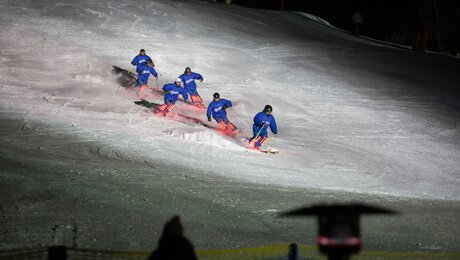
[(145, 71), (260, 119), (140, 60), (217, 109), (172, 93), (189, 81)]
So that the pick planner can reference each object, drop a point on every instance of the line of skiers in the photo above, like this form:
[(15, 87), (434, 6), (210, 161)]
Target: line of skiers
[(216, 109)]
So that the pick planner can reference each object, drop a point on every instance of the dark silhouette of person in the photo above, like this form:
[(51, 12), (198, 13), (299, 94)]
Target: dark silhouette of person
[(357, 20), (173, 245), (424, 25)]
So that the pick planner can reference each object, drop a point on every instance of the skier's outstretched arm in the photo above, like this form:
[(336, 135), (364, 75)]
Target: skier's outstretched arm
[(154, 72), (166, 88), (227, 104), (198, 76), (273, 126), (134, 62), (209, 111), (184, 94), (257, 120)]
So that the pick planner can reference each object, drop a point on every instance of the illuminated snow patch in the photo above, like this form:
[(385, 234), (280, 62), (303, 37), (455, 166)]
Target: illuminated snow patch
[(207, 137)]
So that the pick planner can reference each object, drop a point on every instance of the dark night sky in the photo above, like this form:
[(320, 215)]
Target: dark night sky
[(391, 20)]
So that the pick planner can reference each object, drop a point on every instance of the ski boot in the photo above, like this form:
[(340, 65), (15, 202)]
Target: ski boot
[(163, 109), (197, 101)]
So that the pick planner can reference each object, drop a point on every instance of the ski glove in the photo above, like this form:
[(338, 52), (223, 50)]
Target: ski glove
[(225, 107), (133, 63), (209, 119)]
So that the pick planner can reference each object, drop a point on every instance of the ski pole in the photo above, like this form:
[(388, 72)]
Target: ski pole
[(159, 74), (257, 135), (154, 64), (156, 80)]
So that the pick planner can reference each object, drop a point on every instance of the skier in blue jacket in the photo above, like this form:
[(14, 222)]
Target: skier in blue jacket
[(140, 59), (189, 78), (172, 92), (144, 73), (262, 121), (143, 78), (217, 109)]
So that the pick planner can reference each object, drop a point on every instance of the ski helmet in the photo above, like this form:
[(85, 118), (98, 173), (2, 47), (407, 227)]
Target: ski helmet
[(216, 95), (142, 50), (178, 80), (268, 108), (187, 69)]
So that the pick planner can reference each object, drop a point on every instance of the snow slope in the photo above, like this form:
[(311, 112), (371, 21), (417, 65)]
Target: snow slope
[(352, 116), (82, 166)]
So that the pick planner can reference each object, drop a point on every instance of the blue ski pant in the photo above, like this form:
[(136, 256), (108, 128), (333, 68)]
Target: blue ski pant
[(221, 119), (261, 138), (142, 81), (192, 91), (169, 100)]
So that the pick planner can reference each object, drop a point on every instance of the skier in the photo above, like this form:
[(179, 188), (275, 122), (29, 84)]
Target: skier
[(140, 59), (217, 109), (143, 76), (262, 121), (144, 73), (172, 92), (189, 78)]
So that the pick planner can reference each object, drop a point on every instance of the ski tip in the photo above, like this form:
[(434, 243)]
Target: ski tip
[(273, 150), (267, 151)]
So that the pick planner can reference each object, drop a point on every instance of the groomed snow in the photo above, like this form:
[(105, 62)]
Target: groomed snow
[(352, 116)]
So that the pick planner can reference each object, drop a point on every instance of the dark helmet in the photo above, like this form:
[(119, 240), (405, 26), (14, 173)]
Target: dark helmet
[(216, 95), (187, 69), (268, 108), (149, 61), (142, 50)]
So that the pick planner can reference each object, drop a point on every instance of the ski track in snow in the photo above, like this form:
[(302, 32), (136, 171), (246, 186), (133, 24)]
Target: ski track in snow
[(339, 128)]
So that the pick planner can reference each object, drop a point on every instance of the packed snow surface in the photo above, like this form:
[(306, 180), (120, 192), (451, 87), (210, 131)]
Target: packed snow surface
[(352, 115)]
